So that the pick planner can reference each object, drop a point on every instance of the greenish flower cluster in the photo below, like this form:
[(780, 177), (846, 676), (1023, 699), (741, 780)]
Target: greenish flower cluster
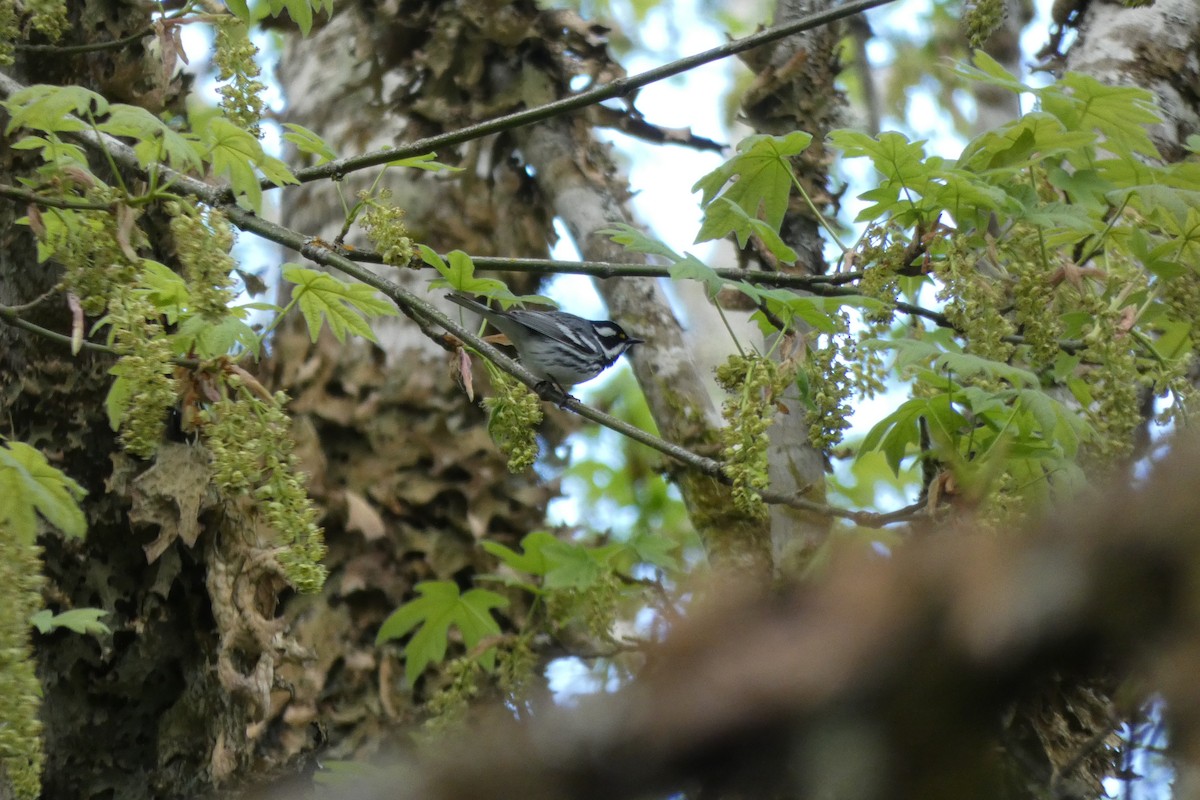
[(202, 243), (753, 383), (1004, 507), (145, 365), (867, 366), (20, 694), (1033, 304), (1114, 382), (251, 447), (974, 302), (1181, 296), (830, 386), (515, 666), (384, 226), (514, 414), (449, 704), (234, 58), (882, 257), (85, 242), (595, 606), (982, 19)]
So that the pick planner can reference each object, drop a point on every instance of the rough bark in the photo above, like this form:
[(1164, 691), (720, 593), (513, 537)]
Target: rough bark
[(135, 714), (398, 453), (885, 679), (1153, 47)]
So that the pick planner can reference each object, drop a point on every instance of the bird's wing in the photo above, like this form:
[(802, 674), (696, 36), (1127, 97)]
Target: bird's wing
[(545, 323)]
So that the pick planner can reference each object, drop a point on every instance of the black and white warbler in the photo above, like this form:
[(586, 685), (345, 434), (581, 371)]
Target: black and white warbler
[(560, 348)]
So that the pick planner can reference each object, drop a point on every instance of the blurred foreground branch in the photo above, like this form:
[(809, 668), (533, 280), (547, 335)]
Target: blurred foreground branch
[(890, 677)]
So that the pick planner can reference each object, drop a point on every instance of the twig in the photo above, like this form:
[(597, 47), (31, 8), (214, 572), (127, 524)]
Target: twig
[(866, 519), (32, 304), (16, 193), (77, 49), (9, 316), (620, 87), (608, 269)]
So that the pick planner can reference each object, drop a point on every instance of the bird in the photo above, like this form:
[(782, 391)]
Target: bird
[(559, 348)]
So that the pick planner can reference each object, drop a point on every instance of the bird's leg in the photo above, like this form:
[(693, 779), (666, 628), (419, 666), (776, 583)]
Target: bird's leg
[(553, 392)]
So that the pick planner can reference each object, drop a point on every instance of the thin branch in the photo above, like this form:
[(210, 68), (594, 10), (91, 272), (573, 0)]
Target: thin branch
[(620, 87), (95, 47), (608, 269), (823, 285), (1061, 774), (865, 519), (16, 193), (78, 49), (34, 303), (9, 316)]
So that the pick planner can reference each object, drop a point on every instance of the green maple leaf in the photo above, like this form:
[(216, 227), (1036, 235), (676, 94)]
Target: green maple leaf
[(344, 306), (440, 606), (155, 139), (80, 620), (532, 560), (30, 486), (561, 565), (53, 108), (307, 141), (724, 216), (235, 152), (759, 175)]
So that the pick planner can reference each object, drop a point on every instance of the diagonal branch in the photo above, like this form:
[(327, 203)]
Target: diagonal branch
[(608, 91), (613, 269), (422, 312)]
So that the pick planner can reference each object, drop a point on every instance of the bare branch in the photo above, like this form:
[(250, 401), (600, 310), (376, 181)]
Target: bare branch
[(77, 204), (617, 88)]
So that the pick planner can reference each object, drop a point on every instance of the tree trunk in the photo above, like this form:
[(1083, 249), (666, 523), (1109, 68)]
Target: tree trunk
[(140, 713)]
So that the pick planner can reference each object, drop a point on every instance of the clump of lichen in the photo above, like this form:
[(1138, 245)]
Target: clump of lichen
[(47, 17), (249, 439), (20, 693), (234, 58), (514, 414), (9, 31)]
